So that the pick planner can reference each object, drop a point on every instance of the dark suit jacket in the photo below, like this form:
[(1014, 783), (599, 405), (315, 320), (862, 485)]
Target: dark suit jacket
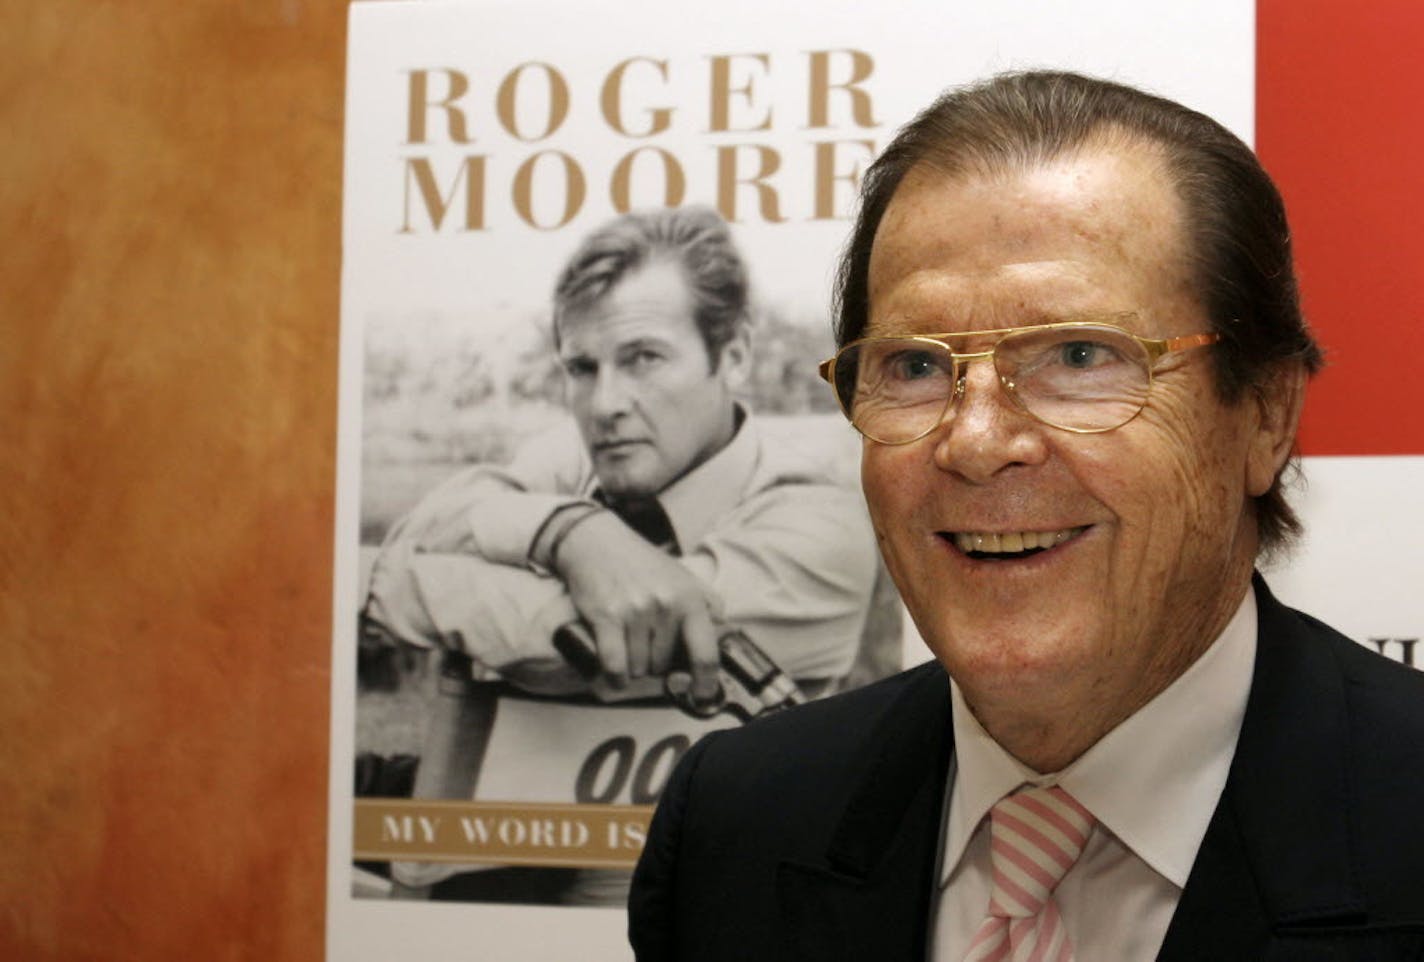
[(814, 834)]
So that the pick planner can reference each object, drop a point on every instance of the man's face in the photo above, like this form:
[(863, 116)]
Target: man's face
[(647, 400), (1159, 536)]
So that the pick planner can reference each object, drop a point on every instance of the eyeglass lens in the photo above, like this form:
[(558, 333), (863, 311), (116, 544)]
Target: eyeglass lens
[(1079, 378)]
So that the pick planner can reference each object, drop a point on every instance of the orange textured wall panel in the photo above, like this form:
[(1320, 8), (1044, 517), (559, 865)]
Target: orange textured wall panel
[(170, 200)]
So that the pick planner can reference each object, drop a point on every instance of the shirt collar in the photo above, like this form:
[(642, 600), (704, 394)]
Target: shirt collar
[(1133, 780), (695, 501)]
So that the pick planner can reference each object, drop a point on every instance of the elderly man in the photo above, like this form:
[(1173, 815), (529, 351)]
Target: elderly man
[(1071, 340)]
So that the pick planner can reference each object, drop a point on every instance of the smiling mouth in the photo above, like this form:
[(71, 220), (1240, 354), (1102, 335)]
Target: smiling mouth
[(1008, 545)]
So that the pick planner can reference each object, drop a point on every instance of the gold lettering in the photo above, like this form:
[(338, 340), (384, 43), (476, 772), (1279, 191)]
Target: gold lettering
[(471, 174), (826, 176), (621, 186), (525, 834), (818, 111), (575, 189), (397, 828), (768, 162), (636, 833), (513, 833), (419, 103), (573, 834), (627, 835), (722, 91), (476, 830), (506, 101), (542, 832), (611, 100), (409, 829)]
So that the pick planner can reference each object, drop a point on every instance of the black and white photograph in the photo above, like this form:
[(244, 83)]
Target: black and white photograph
[(581, 552)]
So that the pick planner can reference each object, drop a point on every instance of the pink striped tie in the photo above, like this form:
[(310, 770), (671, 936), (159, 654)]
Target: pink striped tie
[(1035, 836)]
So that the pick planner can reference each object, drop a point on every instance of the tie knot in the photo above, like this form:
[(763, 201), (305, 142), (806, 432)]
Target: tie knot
[(1036, 835), (646, 516)]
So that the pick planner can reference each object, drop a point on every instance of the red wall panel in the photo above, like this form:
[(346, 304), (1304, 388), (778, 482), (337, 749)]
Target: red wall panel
[(1340, 125)]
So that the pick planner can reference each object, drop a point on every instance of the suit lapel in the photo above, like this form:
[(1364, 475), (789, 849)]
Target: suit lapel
[(1277, 853), (1276, 856), (870, 898)]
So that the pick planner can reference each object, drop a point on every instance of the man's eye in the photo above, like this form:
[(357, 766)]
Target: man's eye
[(912, 365), (580, 368), (1085, 355), (642, 360)]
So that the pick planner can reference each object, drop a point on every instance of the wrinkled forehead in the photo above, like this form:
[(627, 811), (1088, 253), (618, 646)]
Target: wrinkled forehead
[(1098, 231)]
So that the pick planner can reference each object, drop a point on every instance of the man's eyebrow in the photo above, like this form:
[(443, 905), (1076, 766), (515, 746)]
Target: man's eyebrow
[(640, 342)]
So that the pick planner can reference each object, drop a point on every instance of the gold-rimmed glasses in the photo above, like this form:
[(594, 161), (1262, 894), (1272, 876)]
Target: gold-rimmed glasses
[(1081, 376)]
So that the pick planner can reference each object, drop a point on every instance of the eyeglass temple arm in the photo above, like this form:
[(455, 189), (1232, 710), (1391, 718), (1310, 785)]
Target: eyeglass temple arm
[(1173, 344), (1192, 340)]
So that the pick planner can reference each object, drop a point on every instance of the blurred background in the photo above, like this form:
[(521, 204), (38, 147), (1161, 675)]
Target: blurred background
[(170, 184)]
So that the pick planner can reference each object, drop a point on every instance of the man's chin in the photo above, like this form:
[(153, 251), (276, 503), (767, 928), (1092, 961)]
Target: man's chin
[(621, 485), (1025, 665)]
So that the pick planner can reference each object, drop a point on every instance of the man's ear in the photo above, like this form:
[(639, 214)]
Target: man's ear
[(1278, 404), (735, 360)]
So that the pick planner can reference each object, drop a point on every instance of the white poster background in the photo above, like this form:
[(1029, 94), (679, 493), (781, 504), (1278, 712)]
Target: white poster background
[(1360, 565), (1200, 54)]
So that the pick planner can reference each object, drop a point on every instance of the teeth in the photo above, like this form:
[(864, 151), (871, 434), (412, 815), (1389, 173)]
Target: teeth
[(1010, 542)]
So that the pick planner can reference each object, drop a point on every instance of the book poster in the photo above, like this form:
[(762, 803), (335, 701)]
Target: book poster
[(588, 255)]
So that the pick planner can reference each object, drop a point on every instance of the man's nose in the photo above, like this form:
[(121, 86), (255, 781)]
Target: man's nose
[(983, 431), (610, 396)]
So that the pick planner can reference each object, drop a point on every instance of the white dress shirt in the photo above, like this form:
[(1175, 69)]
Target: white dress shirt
[(1152, 783), (780, 542)]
